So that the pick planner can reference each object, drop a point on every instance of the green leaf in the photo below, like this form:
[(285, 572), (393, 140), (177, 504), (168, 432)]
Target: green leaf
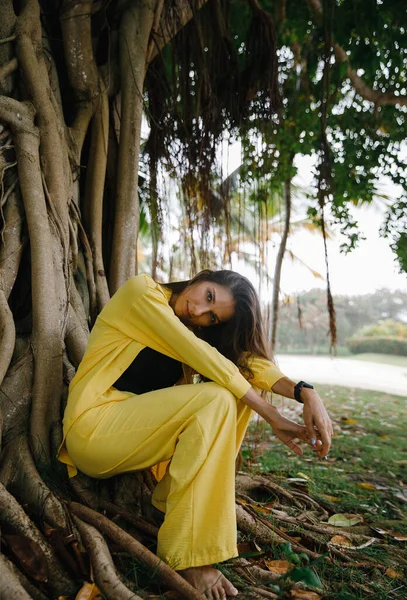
[(345, 520), (305, 575), (304, 557), (294, 558), (286, 548)]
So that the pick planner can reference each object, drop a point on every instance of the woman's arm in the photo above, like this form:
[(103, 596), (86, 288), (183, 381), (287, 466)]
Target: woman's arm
[(314, 413), (141, 311), (316, 419)]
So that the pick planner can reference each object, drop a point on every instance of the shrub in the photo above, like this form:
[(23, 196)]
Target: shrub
[(383, 329), (378, 344)]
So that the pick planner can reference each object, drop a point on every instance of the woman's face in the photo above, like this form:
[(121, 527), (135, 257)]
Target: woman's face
[(204, 304)]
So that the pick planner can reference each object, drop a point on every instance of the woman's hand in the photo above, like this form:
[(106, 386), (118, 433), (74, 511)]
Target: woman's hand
[(287, 431), (317, 421)]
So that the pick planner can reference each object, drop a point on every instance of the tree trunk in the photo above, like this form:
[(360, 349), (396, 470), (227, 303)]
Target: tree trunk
[(58, 89), (279, 263), (135, 29)]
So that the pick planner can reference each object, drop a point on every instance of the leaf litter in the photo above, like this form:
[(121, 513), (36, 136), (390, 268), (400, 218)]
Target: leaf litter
[(363, 543)]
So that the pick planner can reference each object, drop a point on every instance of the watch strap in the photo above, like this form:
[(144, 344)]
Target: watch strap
[(298, 387)]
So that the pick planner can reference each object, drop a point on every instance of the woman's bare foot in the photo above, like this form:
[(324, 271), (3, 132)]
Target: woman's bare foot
[(210, 582)]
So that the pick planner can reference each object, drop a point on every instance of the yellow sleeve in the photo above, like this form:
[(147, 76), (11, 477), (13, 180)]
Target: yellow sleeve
[(141, 310), (265, 373)]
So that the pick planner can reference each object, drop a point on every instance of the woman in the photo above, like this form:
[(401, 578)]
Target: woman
[(124, 412)]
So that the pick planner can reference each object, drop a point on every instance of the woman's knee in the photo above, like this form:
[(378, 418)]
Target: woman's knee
[(221, 396)]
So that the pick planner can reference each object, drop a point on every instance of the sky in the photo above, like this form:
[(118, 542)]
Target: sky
[(368, 267)]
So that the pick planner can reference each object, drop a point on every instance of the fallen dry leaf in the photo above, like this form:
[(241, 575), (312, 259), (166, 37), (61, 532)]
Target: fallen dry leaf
[(367, 486), (89, 591), (349, 422), (303, 476), (393, 574), (341, 540), (396, 535), (261, 509), (330, 498), (251, 548), (30, 556), (345, 520), (278, 567), (241, 500), (304, 595)]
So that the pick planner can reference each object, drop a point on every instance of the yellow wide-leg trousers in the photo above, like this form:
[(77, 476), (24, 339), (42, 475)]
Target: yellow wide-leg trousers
[(199, 428)]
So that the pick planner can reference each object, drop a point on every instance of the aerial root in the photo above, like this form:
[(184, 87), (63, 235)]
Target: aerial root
[(134, 548), (10, 573), (14, 518), (91, 499), (279, 535), (19, 474), (10, 585), (104, 571)]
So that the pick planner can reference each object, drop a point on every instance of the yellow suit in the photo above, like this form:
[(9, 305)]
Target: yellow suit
[(198, 428)]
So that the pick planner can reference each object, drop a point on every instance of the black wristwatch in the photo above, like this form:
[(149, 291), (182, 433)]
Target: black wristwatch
[(298, 388)]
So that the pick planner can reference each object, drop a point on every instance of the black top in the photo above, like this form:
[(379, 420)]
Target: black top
[(150, 370)]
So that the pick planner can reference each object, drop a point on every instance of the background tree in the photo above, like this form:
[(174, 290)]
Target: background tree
[(305, 325)]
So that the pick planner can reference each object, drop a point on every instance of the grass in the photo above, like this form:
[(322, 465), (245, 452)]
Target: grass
[(386, 359), (365, 474)]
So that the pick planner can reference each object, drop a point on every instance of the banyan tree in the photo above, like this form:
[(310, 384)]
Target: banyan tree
[(78, 78)]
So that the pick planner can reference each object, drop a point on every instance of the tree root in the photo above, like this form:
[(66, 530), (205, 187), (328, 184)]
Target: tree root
[(295, 545), (324, 529), (133, 547), (94, 501), (15, 396), (32, 592), (248, 483), (7, 335), (251, 572), (13, 516), (104, 570), (10, 585), (25, 482), (264, 531), (12, 243)]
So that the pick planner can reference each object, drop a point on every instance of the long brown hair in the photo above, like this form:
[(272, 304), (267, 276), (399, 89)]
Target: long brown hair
[(244, 334)]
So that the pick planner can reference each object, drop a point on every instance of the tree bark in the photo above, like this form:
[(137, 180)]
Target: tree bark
[(53, 157), (46, 339), (103, 568), (279, 262), (13, 515), (172, 20), (135, 31)]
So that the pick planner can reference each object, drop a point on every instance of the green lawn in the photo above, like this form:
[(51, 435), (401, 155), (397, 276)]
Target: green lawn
[(365, 474), (387, 359)]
